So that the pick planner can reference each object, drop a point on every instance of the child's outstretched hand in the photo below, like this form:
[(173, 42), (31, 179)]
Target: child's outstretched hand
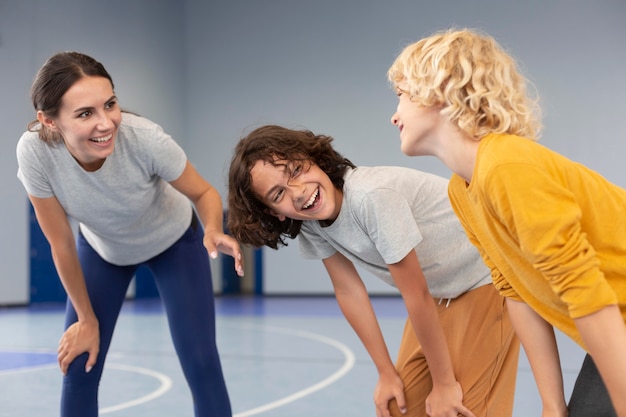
[(215, 241)]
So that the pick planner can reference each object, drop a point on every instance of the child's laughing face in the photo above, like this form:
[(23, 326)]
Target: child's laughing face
[(298, 190)]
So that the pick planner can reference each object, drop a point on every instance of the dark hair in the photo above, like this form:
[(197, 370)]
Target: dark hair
[(247, 219), (52, 81)]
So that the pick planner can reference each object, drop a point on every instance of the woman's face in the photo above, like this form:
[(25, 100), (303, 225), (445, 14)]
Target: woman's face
[(88, 120), (296, 190)]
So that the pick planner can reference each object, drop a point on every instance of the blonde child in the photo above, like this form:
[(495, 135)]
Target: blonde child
[(551, 230)]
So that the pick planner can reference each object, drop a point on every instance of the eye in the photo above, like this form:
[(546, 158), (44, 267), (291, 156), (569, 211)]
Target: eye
[(297, 170), (84, 114), (110, 105), (277, 196)]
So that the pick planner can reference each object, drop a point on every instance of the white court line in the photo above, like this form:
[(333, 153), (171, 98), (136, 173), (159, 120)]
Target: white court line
[(26, 369), (166, 382), (345, 368)]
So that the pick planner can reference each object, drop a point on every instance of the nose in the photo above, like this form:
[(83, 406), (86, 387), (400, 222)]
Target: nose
[(297, 189), (394, 119), (105, 122)]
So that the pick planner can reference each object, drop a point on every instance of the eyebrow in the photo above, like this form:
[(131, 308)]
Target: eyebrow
[(286, 172), (89, 108)]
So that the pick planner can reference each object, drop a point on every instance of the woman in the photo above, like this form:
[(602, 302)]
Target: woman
[(129, 186)]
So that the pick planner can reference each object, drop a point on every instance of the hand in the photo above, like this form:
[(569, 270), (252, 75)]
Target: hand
[(215, 241), (389, 386), (78, 339), (447, 401)]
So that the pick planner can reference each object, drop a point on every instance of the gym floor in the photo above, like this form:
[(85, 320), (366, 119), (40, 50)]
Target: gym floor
[(282, 357)]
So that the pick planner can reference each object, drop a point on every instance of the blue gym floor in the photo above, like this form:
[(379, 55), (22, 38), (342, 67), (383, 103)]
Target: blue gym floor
[(282, 357)]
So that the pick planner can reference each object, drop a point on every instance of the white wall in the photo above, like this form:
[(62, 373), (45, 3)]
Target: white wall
[(142, 48), (14, 64), (322, 65)]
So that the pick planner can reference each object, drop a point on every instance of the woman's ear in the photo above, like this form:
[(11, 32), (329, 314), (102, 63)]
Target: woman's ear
[(46, 121)]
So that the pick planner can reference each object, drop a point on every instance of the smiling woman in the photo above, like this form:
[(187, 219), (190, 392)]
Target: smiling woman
[(137, 200), (87, 120)]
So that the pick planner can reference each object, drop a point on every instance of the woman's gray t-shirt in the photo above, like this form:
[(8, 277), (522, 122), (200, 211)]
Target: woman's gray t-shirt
[(388, 211), (127, 210)]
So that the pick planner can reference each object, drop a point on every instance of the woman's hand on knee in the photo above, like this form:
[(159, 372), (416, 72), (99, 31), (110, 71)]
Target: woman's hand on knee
[(79, 338)]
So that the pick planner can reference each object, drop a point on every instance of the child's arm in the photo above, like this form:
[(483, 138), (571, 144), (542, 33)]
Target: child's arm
[(447, 394), (537, 337), (604, 334), (355, 304)]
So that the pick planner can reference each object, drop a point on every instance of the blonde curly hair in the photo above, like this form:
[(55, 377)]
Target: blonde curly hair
[(475, 82)]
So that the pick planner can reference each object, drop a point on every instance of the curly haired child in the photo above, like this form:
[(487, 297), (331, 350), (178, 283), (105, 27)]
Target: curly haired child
[(458, 354), (550, 229)]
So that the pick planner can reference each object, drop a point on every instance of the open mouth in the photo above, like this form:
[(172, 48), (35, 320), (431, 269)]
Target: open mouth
[(103, 139), (312, 203)]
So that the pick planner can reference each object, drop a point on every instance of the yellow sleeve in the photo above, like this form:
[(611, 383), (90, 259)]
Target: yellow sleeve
[(541, 214)]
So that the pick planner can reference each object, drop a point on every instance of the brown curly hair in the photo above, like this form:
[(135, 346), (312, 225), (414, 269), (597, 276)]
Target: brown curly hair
[(248, 219)]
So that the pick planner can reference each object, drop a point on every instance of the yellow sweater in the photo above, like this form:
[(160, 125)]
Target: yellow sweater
[(552, 231)]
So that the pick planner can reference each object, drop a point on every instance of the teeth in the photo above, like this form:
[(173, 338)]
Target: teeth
[(102, 139), (311, 200)]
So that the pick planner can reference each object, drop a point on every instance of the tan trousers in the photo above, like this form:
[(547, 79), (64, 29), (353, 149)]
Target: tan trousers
[(484, 352)]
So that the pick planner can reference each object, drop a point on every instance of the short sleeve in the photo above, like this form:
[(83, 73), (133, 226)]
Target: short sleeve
[(388, 219), (312, 245), (31, 166), (168, 157)]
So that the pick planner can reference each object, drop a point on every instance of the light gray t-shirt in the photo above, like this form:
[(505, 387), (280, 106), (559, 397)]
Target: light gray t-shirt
[(127, 210), (387, 212)]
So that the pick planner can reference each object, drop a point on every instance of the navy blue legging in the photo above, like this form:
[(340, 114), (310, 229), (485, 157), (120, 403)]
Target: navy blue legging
[(183, 277)]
